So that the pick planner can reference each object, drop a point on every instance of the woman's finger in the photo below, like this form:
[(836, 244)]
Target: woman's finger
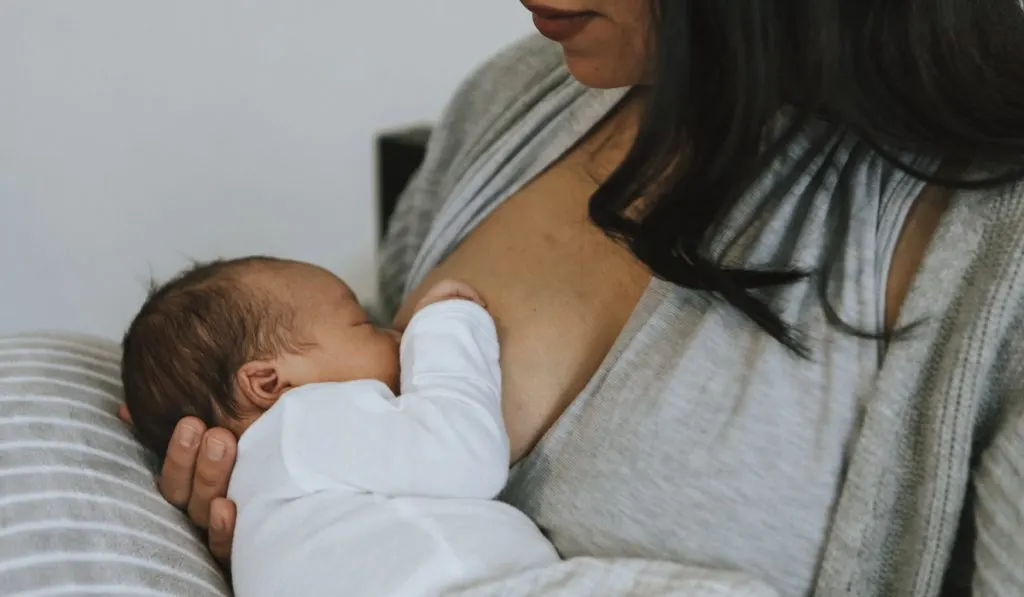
[(180, 463), (222, 529), (213, 471), (123, 414)]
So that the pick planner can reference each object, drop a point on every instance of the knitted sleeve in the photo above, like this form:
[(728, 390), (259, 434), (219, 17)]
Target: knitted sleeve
[(999, 513)]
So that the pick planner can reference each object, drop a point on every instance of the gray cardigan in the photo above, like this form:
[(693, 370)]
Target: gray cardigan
[(941, 434)]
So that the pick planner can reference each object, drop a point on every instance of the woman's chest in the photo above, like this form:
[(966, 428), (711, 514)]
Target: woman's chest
[(559, 290)]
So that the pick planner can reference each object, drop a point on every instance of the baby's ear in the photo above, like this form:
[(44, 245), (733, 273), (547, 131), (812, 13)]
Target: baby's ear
[(260, 384)]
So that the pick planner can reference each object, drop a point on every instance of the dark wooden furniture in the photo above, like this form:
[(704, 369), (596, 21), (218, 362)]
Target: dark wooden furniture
[(399, 154)]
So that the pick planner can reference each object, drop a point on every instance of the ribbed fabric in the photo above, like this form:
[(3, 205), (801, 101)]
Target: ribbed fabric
[(79, 510), (1000, 514)]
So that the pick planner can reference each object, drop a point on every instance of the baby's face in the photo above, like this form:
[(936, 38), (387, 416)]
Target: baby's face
[(340, 342)]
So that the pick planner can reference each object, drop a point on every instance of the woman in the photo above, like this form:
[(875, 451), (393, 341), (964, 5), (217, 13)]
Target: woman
[(756, 270)]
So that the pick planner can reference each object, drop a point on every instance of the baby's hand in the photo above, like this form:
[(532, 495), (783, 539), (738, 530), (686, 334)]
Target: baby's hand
[(447, 290)]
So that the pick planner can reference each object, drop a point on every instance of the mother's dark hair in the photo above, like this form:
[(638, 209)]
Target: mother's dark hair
[(944, 78)]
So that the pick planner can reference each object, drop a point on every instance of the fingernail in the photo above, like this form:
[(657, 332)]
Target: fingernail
[(219, 524), (215, 449), (187, 436)]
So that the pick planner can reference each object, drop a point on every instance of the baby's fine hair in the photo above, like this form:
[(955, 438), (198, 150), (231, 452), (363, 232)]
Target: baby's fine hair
[(182, 351)]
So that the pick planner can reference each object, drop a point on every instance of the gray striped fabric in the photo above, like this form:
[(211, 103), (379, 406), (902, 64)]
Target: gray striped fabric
[(79, 509), (592, 577)]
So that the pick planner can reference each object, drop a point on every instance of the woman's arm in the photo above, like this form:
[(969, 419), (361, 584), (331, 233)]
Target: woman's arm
[(999, 513)]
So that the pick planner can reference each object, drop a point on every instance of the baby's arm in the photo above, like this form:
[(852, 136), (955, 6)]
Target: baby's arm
[(444, 437)]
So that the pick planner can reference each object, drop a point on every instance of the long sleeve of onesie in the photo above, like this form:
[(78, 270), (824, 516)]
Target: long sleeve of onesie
[(443, 437)]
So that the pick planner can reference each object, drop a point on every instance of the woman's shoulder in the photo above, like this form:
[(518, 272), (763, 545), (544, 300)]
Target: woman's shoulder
[(494, 97), (514, 74), (506, 75)]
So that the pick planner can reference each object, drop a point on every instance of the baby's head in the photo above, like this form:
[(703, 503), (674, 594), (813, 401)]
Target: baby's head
[(224, 340)]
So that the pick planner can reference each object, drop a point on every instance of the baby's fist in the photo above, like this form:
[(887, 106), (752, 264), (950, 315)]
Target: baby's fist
[(447, 290)]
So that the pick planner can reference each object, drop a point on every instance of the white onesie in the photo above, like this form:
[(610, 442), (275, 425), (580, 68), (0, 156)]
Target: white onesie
[(344, 489)]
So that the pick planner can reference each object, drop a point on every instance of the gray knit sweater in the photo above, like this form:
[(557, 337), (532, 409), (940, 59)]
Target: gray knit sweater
[(913, 449)]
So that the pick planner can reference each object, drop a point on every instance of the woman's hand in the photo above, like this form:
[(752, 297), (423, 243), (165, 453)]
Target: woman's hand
[(447, 290), (195, 478)]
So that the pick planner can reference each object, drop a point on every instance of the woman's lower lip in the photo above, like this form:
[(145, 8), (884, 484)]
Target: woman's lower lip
[(562, 28)]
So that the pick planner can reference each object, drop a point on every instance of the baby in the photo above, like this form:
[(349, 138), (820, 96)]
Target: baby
[(368, 461)]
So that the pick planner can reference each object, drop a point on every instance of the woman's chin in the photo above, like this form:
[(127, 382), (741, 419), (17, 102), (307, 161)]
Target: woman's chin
[(598, 72)]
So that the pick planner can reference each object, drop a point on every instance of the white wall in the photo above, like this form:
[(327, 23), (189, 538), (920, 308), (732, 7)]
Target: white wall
[(136, 134)]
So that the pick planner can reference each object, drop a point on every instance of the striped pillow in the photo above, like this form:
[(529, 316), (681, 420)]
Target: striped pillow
[(79, 510)]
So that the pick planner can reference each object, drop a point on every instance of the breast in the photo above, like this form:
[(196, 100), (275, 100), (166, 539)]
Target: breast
[(558, 288)]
